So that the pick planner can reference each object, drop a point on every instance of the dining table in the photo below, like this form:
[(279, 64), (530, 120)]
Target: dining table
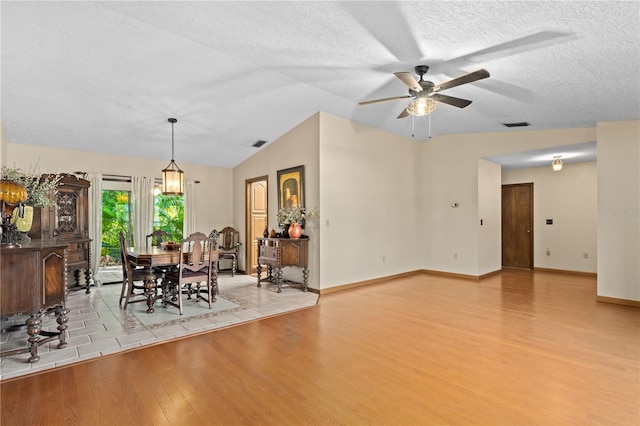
[(157, 257)]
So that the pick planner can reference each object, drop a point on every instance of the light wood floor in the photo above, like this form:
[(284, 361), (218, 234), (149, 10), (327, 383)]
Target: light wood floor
[(519, 348)]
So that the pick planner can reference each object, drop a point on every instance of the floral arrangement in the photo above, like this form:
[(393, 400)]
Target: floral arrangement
[(289, 215), (38, 187)]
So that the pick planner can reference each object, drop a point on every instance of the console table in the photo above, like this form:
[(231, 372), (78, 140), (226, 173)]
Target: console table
[(33, 280), (277, 253)]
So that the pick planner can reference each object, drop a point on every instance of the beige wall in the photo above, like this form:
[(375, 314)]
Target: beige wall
[(489, 220), (214, 207), (569, 197), (619, 210), (370, 217), (450, 174), (385, 201), (299, 146), (3, 146)]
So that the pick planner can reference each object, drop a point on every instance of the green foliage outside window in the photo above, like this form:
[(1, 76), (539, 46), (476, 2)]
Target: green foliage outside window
[(117, 214), (168, 215)]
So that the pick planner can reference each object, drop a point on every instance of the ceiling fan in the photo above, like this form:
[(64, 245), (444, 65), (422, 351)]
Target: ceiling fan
[(426, 94)]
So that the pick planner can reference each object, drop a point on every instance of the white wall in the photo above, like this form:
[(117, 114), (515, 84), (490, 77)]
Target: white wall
[(3, 146), (214, 201), (569, 198), (297, 147), (489, 220), (370, 216), (385, 195), (450, 173), (619, 210)]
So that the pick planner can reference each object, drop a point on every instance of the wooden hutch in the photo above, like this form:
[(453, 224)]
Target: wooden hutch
[(69, 222)]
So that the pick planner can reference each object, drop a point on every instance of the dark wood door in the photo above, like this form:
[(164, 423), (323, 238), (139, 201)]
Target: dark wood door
[(517, 226)]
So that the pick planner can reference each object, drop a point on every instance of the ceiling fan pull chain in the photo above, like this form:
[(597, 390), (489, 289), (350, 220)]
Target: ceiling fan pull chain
[(429, 126), (413, 126)]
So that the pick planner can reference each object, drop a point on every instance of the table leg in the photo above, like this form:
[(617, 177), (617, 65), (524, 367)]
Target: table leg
[(279, 278), (259, 271), (88, 279), (62, 319), (305, 275), (151, 291), (33, 330)]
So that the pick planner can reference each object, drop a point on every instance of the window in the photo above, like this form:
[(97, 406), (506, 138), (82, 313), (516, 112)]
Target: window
[(117, 215), (168, 215)]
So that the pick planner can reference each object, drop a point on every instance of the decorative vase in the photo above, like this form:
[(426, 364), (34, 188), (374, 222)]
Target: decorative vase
[(295, 230), (285, 229), (24, 223)]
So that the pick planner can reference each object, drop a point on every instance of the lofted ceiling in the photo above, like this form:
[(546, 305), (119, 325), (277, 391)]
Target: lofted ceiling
[(105, 76)]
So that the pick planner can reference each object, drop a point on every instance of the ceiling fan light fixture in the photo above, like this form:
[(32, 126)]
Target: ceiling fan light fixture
[(556, 165), (172, 176), (422, 106)]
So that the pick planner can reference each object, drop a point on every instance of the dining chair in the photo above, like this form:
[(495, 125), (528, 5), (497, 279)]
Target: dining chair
[(130, 292), (229, 247), (159, 236), (197, 266)]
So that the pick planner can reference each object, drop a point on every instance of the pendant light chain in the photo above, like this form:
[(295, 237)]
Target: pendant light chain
[(172, 151), (413, 126)]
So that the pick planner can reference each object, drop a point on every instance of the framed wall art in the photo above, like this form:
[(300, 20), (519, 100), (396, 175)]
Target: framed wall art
[(291, 187)]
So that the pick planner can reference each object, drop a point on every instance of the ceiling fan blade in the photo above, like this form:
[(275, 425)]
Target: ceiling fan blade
[(467, 78), (404, 113), (408, 79), (375, 101), (450, 100)]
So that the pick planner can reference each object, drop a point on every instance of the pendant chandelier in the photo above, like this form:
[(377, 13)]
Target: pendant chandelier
[(172, 176)]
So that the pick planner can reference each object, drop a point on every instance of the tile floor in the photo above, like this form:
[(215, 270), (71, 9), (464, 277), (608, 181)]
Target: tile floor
[(98, 326)]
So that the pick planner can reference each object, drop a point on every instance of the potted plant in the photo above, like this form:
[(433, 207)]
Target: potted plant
[(38, 187), (295, 216)]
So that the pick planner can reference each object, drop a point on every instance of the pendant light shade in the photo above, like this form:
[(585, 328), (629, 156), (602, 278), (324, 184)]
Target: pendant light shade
[(557, 164), (422, 106), (172, 176)]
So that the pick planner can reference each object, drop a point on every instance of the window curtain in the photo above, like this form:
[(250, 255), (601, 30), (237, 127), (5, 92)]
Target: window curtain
[(189, 223), (95, 222), (142, 209)]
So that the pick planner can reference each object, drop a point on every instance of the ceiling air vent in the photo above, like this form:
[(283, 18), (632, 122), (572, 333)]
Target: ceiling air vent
[(520, 124), (259, 143)]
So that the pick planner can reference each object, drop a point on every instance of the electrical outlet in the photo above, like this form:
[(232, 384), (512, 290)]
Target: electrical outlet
[(455, 256), (548, 252), (383, 259), (585, 255)]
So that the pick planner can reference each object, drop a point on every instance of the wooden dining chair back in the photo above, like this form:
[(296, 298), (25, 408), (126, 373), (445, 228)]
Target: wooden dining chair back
[(214, 235), (229, 247), (197, 266), (157, 237), (131, 292)]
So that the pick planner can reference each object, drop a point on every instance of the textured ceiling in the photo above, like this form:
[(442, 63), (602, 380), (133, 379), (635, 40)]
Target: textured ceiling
[(105, 76)]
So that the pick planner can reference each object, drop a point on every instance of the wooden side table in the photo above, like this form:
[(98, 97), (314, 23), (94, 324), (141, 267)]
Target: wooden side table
[(276, 253)]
